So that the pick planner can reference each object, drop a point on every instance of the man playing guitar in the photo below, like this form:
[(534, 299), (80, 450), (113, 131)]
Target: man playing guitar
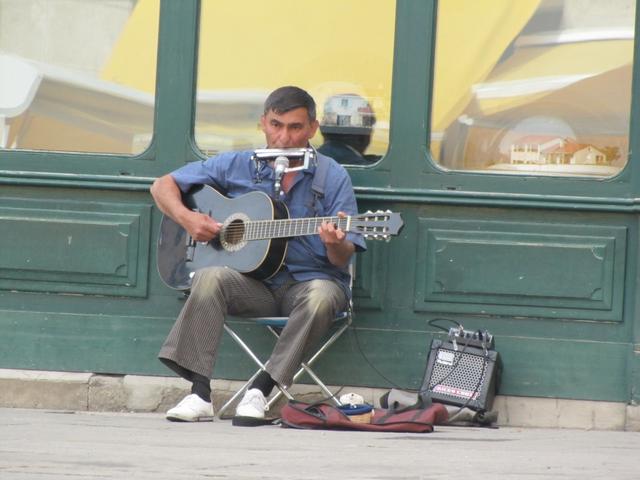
[(311, 285)]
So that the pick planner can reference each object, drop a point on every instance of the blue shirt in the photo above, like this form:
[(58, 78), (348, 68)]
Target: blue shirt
[(234, 174)]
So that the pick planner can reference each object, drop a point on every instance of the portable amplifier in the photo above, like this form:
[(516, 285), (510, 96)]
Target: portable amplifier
[(461, 375)]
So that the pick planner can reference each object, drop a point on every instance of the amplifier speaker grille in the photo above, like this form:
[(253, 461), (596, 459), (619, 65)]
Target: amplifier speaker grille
[(465, 376)]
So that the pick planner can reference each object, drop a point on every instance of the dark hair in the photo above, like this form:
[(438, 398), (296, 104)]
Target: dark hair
[(285, 99)]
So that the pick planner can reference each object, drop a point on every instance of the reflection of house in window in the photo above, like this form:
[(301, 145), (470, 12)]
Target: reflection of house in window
[(547, 150)]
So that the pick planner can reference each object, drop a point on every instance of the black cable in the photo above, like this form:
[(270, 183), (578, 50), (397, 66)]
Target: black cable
[(373, 367), (431, 322)]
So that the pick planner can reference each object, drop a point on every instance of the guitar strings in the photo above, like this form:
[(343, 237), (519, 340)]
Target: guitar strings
[(265, 228)]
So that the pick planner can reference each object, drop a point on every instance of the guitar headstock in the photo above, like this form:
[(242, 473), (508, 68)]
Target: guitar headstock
[(379, 225)]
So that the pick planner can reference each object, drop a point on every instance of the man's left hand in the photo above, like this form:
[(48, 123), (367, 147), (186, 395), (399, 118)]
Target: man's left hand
[(330, 234), (339, 249)]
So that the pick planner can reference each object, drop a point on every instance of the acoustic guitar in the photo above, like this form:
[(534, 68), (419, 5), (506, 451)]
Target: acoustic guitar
[(253, 238)]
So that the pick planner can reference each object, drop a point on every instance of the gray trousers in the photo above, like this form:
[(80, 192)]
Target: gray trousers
[(217, 291)]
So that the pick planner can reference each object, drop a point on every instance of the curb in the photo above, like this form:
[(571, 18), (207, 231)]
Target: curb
[(136, 393)]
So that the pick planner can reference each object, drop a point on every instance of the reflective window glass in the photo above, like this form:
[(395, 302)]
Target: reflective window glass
[(340, 51), (70, 79), (539, 87)]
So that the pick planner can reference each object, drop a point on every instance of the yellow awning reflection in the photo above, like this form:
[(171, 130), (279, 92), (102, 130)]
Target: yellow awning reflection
[(535, 72), (471, 38), (255, 46), (249, 47), (133, 58)]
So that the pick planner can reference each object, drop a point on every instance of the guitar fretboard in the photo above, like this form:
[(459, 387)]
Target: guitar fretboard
[(294, 227)]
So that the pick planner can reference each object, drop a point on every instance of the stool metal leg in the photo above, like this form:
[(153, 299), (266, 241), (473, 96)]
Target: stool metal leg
[(306, 367), (245, 347)]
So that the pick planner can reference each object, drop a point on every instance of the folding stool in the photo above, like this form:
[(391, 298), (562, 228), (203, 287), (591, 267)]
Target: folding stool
[(275, 325)]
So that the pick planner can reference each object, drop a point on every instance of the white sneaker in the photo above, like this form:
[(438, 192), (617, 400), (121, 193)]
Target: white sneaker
[(191, 409), (253, 404)]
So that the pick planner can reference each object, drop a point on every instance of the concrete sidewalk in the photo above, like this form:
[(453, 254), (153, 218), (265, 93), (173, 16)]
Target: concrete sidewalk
[(46, 445)]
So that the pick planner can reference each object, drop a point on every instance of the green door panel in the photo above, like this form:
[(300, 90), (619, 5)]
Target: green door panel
[(521, 268), (94, 247)]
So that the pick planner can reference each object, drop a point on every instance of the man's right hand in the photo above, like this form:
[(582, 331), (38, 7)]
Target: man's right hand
[(167, 196), (201, 227)]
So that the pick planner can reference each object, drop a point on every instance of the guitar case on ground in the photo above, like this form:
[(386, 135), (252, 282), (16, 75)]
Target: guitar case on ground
[(415, 419)]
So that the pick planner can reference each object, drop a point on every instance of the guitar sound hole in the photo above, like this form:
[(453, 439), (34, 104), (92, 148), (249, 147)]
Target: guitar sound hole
[(235, 232), (232, 237)]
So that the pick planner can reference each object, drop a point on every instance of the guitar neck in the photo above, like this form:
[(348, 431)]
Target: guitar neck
[(293, 227)]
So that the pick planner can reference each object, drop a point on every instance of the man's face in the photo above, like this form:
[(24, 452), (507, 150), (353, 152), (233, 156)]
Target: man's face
[(288, 130)]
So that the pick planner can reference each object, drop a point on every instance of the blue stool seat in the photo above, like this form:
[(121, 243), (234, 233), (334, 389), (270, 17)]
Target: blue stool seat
[(280, 322)]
